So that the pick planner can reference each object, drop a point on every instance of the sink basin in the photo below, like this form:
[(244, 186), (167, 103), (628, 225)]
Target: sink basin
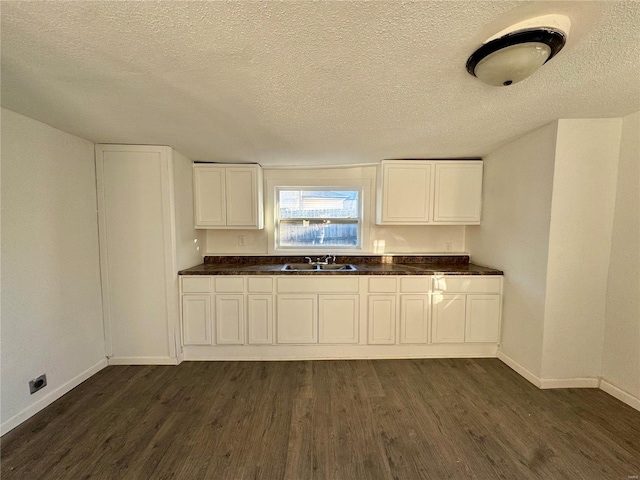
[(336, 266), (308, 267), (298, 267)]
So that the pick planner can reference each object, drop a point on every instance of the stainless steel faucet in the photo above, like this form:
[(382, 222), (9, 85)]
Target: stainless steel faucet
[(321, 261)]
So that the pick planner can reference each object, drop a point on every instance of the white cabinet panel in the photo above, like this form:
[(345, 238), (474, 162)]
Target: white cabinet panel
[(242, 201), (260, 319), (458, 192), (319, 284), (338, 318), (382, 319), (196, 284), (467, 283), (196, 319), (414, 318), (229, 319), (448, 318), (137, 239), (260, 284), (405, 193), (418, 284), (382, 284), (482, 318), (209, 190), (423, 192), (228, 196), (228, 284), (297, 319)]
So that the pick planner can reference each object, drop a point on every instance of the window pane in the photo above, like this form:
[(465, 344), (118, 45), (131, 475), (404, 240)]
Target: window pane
[(318, 204), (304, 233)]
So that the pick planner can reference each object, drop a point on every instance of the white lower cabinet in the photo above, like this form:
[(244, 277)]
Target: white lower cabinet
[(466, 309), (414, 318), (196, 319), (260, 319), (229, 319), (340, 310), (448, 318), (338, 318), (382, 319), (482, 318), (297, 318), (330, 319)]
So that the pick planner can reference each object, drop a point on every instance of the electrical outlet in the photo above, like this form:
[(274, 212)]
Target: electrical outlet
[(37, 383), (241, 240), (448, 247)]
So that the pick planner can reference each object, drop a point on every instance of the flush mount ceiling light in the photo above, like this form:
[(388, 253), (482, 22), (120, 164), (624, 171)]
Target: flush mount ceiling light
[(515, 53)]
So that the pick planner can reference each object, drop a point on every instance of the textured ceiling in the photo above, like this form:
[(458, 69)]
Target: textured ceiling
[(295, 83)]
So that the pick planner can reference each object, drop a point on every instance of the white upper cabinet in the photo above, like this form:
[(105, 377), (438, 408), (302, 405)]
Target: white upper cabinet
[(457, 192), (228, 196), (405, 193), (210, 198), (426, 192)]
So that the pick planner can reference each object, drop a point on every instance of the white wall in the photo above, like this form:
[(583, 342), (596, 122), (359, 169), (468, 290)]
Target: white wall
[(621, 352), (190, 243), (513, 236), (396, 239), (51, 300), (584, 183)]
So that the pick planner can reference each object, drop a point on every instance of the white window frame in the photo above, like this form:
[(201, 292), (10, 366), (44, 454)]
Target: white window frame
[(316, 248), (338, 176)]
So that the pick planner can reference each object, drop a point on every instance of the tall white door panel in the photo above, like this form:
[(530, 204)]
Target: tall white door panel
[(136, 241)]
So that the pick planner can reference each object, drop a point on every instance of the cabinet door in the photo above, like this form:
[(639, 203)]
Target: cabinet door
[(229, 319), (242, 196), (458, 192), (448, 318), (414, 318), (483, 318), (382, 319), (196, 319), (209, 193), (297, 319), (338, 318), (134, 191), (260, 319), (405, 193)]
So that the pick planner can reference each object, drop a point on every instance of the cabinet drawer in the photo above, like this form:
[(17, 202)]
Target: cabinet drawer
[(382, 285), (467, 284), (201, 284), (260, 285), (420, 284), (329, 284), (229, 284)]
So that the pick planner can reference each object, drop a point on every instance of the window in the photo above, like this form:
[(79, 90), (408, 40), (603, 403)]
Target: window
[(318, 217)]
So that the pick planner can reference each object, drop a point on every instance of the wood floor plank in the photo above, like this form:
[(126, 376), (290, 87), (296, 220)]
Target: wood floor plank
[(371, 419), (299, 462)]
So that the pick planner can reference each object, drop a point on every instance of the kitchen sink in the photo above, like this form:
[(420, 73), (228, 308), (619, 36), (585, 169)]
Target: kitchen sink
[(310, 267)]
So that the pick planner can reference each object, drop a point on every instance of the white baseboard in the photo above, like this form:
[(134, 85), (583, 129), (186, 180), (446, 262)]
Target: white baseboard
[(334, 352), (588, 382), (620, 394), (142, 361), (546, 383), (51, 397), (511, 363)]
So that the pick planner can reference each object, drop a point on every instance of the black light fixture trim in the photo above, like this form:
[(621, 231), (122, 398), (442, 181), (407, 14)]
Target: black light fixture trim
[(555, 39)]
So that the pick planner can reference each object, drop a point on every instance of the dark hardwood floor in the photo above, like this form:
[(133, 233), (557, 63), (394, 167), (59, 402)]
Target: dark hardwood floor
[(387, 419)]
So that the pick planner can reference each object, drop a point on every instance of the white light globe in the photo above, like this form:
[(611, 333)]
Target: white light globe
[(512, 64)]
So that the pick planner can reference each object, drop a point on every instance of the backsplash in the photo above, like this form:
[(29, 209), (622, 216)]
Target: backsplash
[(356, 259)]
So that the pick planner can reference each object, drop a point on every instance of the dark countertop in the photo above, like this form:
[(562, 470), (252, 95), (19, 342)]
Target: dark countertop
[(370, 265)]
